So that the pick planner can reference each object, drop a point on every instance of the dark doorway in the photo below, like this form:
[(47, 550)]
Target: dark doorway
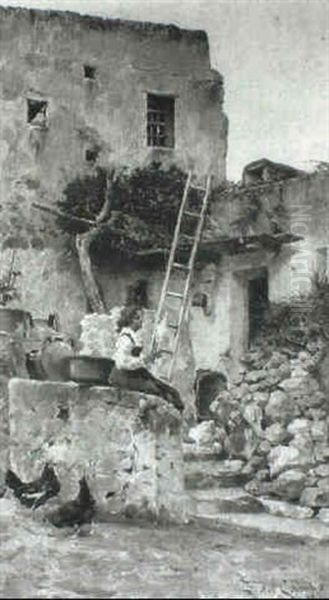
[(258, 304), (208, 384)]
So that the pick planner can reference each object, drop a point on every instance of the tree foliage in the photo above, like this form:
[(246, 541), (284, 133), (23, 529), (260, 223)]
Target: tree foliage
[(144, 207)]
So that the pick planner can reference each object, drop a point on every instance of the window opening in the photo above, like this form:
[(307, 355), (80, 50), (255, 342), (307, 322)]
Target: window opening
[(92, 155), (160, 120), (89, 72), (37, 112)]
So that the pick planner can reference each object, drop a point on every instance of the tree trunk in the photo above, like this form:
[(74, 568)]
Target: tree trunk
[(83, 242)]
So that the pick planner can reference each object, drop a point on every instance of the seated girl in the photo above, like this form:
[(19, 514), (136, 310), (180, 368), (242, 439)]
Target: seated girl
[(130, 371)]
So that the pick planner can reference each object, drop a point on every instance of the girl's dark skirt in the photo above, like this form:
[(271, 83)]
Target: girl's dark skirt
[(141, 380)]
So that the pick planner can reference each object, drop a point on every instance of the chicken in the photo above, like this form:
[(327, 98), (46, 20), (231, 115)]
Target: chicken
[(36, 492), (75, 512)]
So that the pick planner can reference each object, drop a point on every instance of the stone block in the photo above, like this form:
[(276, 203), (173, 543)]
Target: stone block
[(275, 434), (289, 484), (292, 384), (319, 431), (253, 414), (323, 483), (321, 451), (284, 509), (323, 515), (315, 497), (298, 426), (322, 470), (279, 407), (204, 434), (213, 473), (261, 398), (255, 376), (126, 443), (282, 458)]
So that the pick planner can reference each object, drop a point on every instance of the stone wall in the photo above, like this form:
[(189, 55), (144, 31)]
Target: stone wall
[(127, 444), (12, 363), (274, 417), (306, 203)]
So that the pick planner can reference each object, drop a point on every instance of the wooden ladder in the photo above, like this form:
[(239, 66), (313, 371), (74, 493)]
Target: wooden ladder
[(174, 265)]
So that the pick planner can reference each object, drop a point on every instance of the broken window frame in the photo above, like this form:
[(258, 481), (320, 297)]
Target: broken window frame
[(37, 113), (160, 128)]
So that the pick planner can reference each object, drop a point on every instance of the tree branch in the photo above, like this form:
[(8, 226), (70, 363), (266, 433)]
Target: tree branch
[(83, 242), (63, 215), (106, 208)]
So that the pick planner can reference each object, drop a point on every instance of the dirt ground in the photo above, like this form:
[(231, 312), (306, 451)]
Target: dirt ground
[(129, 560)]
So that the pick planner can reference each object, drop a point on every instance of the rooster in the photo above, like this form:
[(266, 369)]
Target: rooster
[(36, 492), (77, 512)]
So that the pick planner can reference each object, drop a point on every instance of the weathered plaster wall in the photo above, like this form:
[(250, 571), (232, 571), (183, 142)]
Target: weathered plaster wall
[(50, 282), (223, 334), (290, 271), (306, 200), (42, 57), (12, 364), (136, 451)]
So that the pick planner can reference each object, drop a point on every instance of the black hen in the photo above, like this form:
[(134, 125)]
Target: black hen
[(36, 492), (76, 512)]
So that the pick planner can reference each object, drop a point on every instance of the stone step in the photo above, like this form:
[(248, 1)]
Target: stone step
[(212, 501), (201, 474), (267, 525), (281, 508)]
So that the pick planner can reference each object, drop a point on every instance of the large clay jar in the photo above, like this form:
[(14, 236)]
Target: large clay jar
[(55, 358), (15, 321), (12, 356)]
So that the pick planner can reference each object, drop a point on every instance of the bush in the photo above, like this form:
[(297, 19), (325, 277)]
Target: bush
[(296, 323)]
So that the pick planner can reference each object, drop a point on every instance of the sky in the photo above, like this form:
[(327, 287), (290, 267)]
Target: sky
[(274, 56)]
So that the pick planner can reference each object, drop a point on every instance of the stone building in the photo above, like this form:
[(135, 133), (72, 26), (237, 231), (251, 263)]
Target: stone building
[(77, 92), (271, 239)]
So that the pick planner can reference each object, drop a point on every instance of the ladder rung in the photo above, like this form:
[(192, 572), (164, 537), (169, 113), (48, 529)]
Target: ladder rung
[(167, 350), (186, 236), (189, 213), (175, 294), (181, 266), (173, 325), (198, 187)]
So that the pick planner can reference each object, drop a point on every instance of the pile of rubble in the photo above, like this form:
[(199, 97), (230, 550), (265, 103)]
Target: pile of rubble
[(274, 417)]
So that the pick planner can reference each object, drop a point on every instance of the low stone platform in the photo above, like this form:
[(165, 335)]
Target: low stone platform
[(267, 525), (127, 444)]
